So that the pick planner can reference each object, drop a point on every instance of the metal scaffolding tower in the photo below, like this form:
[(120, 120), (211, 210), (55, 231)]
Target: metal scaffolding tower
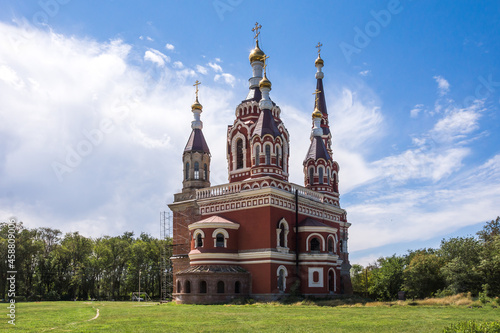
[(166, 251)]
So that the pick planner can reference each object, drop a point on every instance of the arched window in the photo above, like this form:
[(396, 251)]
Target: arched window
[(282, 235), (199, 241), (331, 281), (257, 155), (237, 287), (335, 182), (315, 245), (187, 287), (203, 287), (282, 274), (328, 176), (239, 154), (219, 241), (205, 174), (220, 287), (268, 154), (196, 170), (341, 246), (320, 175), (330, 245), (179, 286), (187, 171), (278, 159), (311, 176)]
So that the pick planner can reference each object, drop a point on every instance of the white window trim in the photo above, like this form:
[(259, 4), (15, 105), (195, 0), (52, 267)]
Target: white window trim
[(320, 237), (334, 280), (220, 231), (195, 236), (285, 275), (310, 279), (278, 232)]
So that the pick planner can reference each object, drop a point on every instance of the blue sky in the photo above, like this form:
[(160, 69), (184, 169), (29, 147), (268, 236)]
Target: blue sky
[(413, 92)]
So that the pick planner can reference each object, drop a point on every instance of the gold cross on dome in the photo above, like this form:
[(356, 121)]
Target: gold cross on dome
[(316, 92), (264, 58), (256, 30), (196, 84), (319, 48)]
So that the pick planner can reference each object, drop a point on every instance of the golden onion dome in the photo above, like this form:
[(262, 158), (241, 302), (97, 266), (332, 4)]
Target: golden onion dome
[(265, 83), (317, 114), (319, 61), (257, 54), (196, 105)]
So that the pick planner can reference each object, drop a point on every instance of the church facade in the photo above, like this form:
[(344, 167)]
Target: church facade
[(259, 235)]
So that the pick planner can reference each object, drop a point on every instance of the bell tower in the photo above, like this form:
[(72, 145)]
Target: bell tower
[(196, 156)]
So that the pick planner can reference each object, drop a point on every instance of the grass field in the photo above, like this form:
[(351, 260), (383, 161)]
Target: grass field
[(152, 317)]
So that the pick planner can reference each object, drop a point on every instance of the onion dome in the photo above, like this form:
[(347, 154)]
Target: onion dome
[(257, 54), (196, 105), (317, 114), (265, 83), (319, 61)]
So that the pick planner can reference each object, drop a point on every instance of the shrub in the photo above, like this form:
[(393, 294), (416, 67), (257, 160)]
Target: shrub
[(473, 327), (52, 296)]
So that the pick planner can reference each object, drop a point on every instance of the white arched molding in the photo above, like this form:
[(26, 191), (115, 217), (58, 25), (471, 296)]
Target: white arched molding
[(334, 239), (285, 275), (334, 280), (282, 247), (235, 138), (313, 235), (195, 236), (220, 231)]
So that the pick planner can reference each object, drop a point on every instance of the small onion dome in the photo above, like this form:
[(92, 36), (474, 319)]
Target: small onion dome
[(257, 54), (317, 114), (265, 83), (319, 61), (196, 105)]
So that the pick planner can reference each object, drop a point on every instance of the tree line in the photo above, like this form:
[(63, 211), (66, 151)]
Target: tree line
[(460, 264), (51, 266)]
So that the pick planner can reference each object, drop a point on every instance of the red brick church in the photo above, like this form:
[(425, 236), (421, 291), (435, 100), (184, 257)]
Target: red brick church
[(259, 235)]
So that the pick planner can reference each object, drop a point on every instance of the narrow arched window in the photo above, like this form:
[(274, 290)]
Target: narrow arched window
[(314, 244), (311, 176), (328, 176), (237, 287), (187, 171), (268, 154), (239, 154), (179, 286), (341, 246), (205, 174), (219, 240), (330, 245), (282, 235), (281, 280), (196, 170), (187, 287), (331, 281), (203, 287), (321, 175), (278, 159), (220, 287), (257, 155), (335, 183), (199, 241)]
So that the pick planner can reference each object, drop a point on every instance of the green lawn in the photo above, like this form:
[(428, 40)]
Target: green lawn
[(152, 317)]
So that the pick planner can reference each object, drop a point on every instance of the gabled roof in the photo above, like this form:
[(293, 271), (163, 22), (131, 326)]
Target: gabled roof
[(213, 269), (214, 222), (197, 142), (309, 222), (317, 150), (266, 125)]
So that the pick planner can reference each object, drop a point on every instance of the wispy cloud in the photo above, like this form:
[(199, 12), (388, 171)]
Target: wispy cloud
[(169, 47), (225, 77), (202, 70), (215, 67), (443, 85), (156, 57)]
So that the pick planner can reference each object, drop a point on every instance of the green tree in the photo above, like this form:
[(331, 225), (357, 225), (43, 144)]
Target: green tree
[(423, 277), (490, 230), (388, 278)]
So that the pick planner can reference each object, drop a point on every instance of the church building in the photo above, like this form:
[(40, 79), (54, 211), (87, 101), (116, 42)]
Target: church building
[(259, 235)]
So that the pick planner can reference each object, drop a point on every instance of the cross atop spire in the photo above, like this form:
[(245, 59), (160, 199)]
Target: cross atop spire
[(264, 58), (319, 48), (196, 84), (316, 92), (256, 30)]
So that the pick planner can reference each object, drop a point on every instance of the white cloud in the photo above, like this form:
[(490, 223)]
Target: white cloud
[(416, 110), (156, 57), (149, 39), (178, 64), (365, 72), (9, 76), (215, 67), (443, 85), (202, 70), (169, 47), (226, 77), (218, 60)]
